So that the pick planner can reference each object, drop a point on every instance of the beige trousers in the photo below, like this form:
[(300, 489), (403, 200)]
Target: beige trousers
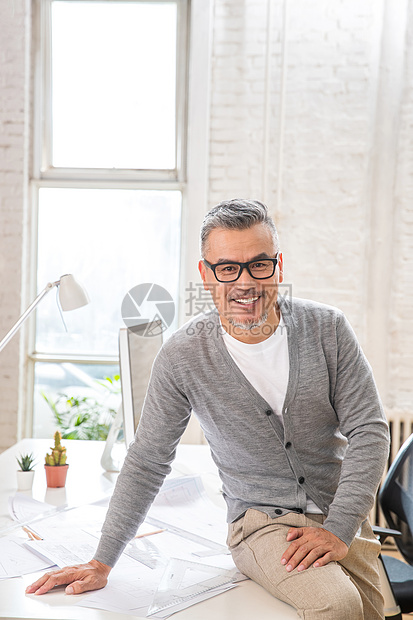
[(345, 590)]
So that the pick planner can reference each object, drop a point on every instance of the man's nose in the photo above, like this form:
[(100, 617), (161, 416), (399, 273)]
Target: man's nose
[(245, 278)]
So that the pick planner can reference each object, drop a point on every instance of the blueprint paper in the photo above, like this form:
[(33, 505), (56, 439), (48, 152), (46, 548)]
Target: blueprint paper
[(16, 560), (163, 546), (183, 582), (201, 597), (133, 592), (126, 591), (67, 524), (182, 504), (64, 554), (23, 508), (198, 535)]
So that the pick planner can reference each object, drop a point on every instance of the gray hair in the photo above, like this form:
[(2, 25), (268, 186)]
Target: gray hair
[(236, 215)]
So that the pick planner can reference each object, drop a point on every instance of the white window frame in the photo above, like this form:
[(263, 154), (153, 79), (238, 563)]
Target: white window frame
[(190, 175), (42, 160)]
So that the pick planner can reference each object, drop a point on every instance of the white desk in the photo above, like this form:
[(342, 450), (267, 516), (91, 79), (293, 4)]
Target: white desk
[(84, 484)]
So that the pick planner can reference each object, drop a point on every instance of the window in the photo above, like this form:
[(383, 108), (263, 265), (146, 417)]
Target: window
[(109, 177), (114, 90)]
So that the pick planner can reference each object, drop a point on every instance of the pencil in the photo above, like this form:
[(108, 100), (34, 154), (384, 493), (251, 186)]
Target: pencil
[(31, 534), (149, 533)]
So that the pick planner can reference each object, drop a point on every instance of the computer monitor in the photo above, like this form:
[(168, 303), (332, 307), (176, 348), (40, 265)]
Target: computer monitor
[(138, 347)]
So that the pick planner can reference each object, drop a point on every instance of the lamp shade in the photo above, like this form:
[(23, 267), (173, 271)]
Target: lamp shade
[(71, 294)]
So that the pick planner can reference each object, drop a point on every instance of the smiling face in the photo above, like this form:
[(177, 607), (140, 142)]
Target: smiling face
[(247, 307)]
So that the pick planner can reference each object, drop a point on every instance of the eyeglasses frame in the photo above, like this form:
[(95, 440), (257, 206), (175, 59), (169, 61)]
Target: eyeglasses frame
[(242, 266)]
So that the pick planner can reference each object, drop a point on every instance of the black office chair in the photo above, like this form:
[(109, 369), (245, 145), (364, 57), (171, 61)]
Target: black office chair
[(396, 501)]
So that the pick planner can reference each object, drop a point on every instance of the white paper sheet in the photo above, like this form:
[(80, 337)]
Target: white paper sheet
[(183, 505), (23, 508), (184, 582), (126, 591), (201, 597), (161, 547), (65, 553), (132, 593), (17, 560), (67, 525), (71, 538)]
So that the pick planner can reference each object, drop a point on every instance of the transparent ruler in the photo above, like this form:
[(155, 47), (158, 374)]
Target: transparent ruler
[(146, 552), (214, 546), (184, 580)]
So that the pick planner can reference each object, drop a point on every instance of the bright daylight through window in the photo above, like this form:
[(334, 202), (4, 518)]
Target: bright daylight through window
[(113, 98), (108, 185)]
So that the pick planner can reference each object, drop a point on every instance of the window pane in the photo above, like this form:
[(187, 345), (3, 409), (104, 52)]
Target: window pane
[(111, 240), (113, 84), (92, 399)]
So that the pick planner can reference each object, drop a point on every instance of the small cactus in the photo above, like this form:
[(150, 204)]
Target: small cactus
[(58, 455)]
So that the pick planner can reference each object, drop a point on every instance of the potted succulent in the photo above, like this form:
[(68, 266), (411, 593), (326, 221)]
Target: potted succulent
[(55, 464), (25, 474)]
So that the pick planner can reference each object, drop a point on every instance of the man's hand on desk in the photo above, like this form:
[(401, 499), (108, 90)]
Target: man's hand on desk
[(81, 578)]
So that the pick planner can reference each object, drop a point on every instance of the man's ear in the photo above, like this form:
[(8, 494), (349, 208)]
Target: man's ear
[(280, 266), (202, 271)]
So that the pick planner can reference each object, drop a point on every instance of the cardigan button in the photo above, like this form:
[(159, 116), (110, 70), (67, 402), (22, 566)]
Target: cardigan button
[(301, 480), (288, 444), (268, 412), (278, 511)]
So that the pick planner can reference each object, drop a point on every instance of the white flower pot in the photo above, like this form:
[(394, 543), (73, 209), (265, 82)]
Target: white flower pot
[(24, 480)]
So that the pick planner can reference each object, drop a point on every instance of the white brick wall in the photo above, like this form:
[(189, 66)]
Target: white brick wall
[(13, 186), (317, 178), (237, 99), (326, 131), (333, 68), (327, 145), (401, 331)]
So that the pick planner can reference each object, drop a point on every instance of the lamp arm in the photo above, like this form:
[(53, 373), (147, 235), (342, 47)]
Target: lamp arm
[(27, 313)]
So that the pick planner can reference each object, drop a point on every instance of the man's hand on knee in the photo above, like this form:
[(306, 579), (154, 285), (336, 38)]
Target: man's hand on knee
[(81, 578), (312, 546)]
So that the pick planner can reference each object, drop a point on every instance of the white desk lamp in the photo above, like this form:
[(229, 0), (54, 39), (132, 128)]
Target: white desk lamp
[(71, 296)]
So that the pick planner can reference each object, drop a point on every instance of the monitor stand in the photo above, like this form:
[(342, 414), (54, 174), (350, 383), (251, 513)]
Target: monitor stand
[(107, 461)]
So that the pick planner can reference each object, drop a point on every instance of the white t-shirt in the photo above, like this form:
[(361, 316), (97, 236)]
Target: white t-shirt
[(266, 365), (258, 361)]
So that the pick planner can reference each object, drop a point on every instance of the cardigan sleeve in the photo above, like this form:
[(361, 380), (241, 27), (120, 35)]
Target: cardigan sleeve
[(165, 415), (363, 423)]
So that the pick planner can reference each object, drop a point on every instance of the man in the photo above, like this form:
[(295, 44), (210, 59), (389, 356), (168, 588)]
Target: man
[(289, 407)]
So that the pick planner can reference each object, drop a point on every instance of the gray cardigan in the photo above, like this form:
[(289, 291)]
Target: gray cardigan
[(332, 447)]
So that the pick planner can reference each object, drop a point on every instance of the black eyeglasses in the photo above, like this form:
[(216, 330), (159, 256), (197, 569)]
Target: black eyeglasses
[(259, 269)]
